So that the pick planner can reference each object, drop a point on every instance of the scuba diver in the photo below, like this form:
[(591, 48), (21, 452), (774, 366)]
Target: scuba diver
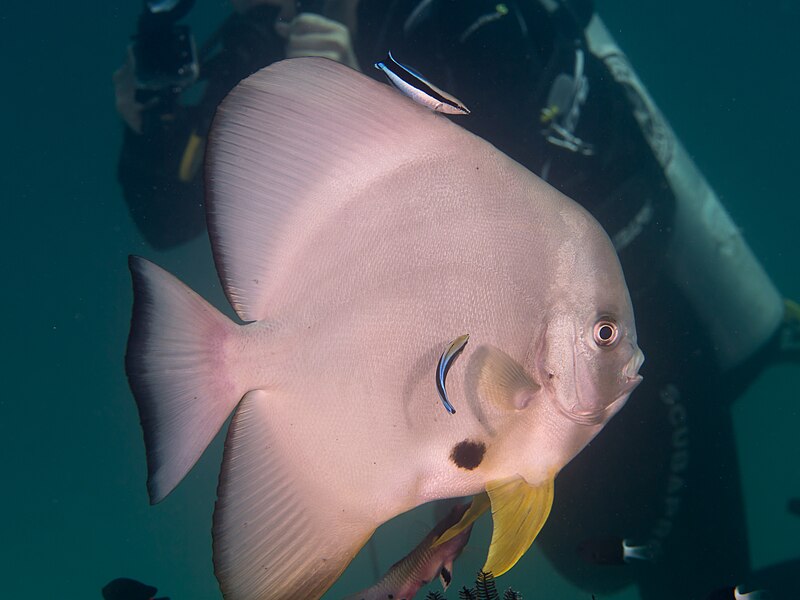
[(546, 84), (160, 161)]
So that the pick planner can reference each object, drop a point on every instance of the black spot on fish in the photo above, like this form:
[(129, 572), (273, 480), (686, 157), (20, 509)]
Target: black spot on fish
[(468, 455), (446, 576)]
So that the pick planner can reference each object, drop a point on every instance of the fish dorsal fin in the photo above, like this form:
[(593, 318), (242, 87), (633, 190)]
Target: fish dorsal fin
[(289, 146), (503, 381), (519, 510)]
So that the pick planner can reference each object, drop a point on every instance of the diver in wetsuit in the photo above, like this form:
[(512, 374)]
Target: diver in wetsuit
[(160, 161), (547, 85)]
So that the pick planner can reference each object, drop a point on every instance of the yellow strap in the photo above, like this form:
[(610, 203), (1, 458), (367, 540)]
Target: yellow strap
[(519, 511), (191, 159), (791, 311)]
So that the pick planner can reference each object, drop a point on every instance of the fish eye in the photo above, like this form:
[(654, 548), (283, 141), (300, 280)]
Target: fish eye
[(606, 332)]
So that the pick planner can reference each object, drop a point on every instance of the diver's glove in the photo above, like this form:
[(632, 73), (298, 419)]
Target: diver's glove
[(789, 340), (310, 34)]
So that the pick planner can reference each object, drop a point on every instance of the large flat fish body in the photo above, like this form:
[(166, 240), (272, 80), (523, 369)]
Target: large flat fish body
[(356, 235)]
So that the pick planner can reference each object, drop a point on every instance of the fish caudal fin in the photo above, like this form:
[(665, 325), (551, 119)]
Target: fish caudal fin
[(174, 364), (277, 535)]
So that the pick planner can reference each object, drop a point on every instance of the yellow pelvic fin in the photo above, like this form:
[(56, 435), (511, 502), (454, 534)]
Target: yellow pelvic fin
[(519, 511), (480, 504)]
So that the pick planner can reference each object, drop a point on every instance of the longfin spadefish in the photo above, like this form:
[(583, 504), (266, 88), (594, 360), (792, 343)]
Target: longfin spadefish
[(519, 510)]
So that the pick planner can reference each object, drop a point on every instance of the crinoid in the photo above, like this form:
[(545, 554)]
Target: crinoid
[(485, 589)]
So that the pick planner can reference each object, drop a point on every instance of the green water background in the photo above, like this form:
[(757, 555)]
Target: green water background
[(74, 507)]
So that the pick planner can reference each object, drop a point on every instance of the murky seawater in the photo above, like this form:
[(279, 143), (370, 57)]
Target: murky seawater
[(74, 501)]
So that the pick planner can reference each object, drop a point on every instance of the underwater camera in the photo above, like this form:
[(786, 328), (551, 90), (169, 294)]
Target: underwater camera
[(163, 53)]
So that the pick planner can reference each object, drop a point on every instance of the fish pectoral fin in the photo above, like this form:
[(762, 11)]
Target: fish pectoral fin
[(504, 381), (519, 510), (480, 505)]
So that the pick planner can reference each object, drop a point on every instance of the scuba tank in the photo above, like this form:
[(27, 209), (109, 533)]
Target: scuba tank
[(707, 256)]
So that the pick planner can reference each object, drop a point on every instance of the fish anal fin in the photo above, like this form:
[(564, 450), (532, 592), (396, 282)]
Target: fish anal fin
[(504, 382), (479, 505), (276, 534), (519, 511)]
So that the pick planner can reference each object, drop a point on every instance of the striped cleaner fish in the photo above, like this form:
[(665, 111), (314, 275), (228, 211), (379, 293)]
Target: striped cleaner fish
[(443, 367), (419, 89), (355, 233)]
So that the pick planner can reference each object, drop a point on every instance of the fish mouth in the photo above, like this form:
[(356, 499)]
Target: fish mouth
[(631, 381), (631, 370), (600, 412)]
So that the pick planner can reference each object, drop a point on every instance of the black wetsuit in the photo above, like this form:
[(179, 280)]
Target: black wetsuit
[(664, 471)]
